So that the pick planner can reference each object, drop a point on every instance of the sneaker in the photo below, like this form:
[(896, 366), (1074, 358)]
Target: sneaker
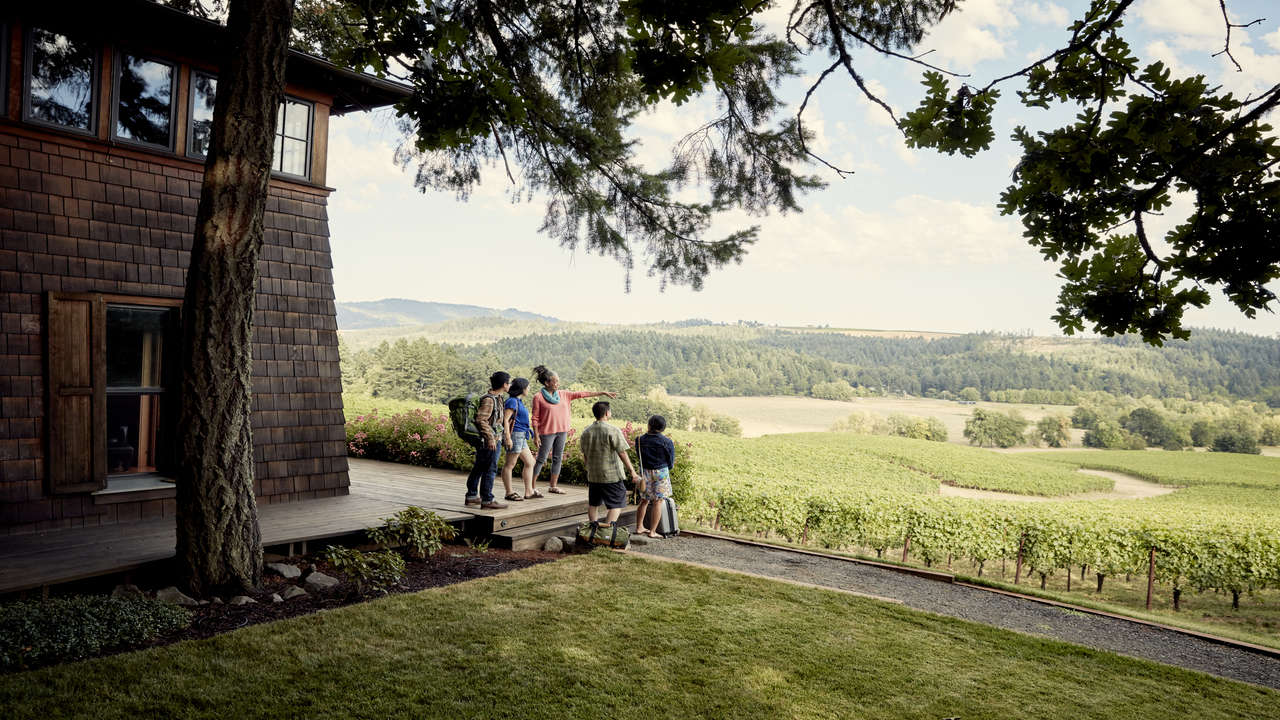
[(473, 500), (493, 505)]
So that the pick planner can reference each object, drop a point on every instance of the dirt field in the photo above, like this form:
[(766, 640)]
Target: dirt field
[(1127, 487), (777, 414)]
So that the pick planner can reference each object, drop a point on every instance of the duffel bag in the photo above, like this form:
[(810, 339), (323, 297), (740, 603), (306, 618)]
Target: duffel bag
[(611, 536)]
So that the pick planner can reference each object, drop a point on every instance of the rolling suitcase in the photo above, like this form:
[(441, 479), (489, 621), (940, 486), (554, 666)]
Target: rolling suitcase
[(669, 519)]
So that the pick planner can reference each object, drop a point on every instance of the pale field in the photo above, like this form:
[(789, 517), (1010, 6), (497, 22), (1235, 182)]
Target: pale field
[(782, 414)]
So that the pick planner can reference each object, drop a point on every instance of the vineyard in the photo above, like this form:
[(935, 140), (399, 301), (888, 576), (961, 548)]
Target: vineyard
[(1219, 533), (1222, 534)]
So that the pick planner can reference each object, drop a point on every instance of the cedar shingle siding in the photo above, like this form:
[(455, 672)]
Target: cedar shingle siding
[(80, 218)]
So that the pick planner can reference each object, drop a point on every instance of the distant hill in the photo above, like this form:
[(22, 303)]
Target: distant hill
[(397, 312)]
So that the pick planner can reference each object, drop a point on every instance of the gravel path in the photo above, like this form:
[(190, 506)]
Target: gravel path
[(1103, 633)]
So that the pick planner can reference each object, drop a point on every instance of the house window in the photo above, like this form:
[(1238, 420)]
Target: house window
[(293, 137), (292, 152), (203, 90), (144, 100), (138, 342), (61, 80)]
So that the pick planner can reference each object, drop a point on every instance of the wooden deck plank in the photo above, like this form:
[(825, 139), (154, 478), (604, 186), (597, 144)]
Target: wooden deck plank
[(377, 490)]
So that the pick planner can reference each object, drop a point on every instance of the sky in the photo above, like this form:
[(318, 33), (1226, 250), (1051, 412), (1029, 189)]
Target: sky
[(913, 240)]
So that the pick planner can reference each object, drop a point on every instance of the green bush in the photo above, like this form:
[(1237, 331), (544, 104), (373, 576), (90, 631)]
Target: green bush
[(41, 632), (917, 428), (421, 531), (370, 571), (1236, 435), (427, 439), (989, 427)]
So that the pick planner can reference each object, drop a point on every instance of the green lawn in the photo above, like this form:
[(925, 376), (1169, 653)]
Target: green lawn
[(560, 640)]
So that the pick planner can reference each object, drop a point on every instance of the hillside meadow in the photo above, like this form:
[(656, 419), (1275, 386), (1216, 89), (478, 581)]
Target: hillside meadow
[(783, 414)]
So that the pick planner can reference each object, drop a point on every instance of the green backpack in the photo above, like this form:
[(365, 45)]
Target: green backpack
[(462, 413)]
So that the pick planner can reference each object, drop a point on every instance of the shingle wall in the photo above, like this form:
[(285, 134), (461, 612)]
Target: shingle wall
[(81, 218)]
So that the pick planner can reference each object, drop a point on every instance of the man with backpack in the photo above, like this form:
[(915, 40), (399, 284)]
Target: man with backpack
[(488, 424)]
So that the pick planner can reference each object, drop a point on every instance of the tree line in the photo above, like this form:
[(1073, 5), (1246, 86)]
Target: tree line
[(1212, 365)]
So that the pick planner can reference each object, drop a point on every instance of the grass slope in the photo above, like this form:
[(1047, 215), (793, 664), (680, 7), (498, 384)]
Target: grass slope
[(560, 640)]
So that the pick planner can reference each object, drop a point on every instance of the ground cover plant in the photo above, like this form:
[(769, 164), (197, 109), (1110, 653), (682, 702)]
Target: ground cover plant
[(40, 632), (710, 644)]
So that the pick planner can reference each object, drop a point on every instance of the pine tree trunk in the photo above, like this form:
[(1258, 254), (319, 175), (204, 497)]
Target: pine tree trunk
[(219, 544)]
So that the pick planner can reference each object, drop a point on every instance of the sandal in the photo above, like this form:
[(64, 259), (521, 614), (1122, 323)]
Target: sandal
[(513, 497), (534, 494), (556, 491)]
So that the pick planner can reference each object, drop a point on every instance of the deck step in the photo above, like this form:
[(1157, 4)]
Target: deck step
[(532, 536), (522, 513)]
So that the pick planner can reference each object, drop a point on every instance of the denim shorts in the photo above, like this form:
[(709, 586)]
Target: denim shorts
[(519, 441)]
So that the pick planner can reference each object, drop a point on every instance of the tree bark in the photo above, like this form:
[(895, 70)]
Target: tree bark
[(219, 545)]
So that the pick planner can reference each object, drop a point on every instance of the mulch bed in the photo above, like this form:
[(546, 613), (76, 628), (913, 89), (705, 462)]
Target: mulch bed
[(453, 564)]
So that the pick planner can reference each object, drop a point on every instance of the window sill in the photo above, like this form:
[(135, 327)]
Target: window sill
[(132, 488)]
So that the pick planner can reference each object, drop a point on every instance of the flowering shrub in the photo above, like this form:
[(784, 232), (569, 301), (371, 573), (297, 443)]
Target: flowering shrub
[(425, 438)]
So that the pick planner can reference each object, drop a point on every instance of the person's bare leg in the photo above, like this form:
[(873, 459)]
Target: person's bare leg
[(655, 510), (508, 464), (526, 472), (644, 505), (591, 513), (613, 515), (551, 481)]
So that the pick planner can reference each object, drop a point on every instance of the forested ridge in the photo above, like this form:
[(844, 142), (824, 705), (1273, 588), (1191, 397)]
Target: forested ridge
[(718, 360)]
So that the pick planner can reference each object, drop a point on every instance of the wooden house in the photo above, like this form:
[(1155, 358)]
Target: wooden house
[(105, 111)]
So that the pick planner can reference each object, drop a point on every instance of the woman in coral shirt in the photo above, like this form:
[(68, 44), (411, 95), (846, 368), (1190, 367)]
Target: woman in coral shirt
[(551, 421)]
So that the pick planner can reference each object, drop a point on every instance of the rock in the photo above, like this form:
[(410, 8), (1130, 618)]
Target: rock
[(275, 598), (127, 591), (320, 581), (568, 541), (204, 602), (553, 544), (284, 570), (217, 600), (173, 595), (292, 592), (243, 600), (640, 539)]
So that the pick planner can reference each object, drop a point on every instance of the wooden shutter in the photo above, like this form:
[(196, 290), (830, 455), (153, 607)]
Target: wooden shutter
[(77, 411)]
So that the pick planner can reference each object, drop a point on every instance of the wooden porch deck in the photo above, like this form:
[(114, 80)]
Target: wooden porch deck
[(378, 489)]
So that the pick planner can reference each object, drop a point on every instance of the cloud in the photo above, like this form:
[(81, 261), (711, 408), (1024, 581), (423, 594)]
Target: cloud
[(1196, 21), (977, 31), (915, 230), (1044, 14)]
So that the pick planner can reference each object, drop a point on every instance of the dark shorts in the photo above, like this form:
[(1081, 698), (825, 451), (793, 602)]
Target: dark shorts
[(611, 495)]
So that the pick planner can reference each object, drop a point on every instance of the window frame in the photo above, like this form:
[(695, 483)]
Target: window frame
[(117, 69), (95, 90), (165, 450), (284, 98), (189, 150), (4, 75), (311, 124)]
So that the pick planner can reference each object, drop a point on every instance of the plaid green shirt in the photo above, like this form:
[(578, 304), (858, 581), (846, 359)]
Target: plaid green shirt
[(601, 443)]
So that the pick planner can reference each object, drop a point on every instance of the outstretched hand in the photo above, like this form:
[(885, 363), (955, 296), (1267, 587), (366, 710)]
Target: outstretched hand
[(610, 394)]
